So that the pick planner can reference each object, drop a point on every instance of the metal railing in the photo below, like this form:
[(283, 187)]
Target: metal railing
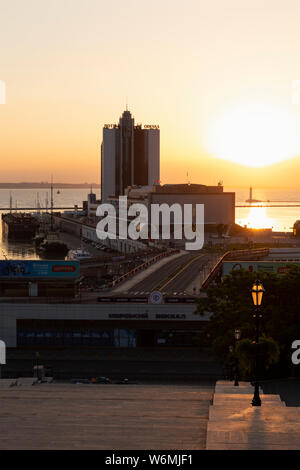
[(230, 255)]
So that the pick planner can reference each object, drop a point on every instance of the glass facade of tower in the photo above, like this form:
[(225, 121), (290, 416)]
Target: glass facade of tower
[(127, 150), (129, 156), (141, 157)]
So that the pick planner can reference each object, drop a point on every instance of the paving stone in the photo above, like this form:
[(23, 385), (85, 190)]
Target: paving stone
[(244, 398), (26, 381), (218, 412), (234, 424), (110, 417)]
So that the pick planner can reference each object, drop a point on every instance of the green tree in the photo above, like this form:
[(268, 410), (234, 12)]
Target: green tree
[(230, 305), (268, 353)]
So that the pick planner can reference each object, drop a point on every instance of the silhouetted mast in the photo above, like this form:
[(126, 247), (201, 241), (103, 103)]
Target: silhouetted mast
[(46, 201), (51, 203)]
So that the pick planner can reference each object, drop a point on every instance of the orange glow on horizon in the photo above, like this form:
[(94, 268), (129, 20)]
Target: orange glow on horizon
[(221, 90)]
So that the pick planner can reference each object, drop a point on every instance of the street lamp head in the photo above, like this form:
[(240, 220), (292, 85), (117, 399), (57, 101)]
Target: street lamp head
[(237, 334), (257, 293)]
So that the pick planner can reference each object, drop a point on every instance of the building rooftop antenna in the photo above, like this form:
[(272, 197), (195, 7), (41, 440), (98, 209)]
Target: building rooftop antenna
[(46, 201), (10, 202), (51, 202)]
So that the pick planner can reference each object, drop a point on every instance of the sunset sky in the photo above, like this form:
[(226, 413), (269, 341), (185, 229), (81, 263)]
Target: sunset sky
[(217, 76)]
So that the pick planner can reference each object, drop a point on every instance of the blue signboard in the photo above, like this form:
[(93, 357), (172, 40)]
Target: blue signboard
[(39, 269)]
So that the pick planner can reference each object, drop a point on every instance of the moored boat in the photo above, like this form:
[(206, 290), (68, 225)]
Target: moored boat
[(19, 226), (52, 246)]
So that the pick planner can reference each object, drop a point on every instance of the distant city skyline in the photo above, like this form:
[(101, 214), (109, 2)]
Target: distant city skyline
[(46, 184), (221, 79)]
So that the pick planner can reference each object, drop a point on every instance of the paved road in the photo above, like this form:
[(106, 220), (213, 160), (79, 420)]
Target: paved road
[(175, 277), (151, 282), (74, 242), (183, 279), (109, 417)]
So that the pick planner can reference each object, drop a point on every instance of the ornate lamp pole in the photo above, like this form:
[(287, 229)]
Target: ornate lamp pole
[(237, 337), (257, 294), (37, 356)]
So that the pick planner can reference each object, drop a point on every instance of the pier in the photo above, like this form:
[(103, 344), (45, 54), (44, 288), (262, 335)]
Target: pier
[(41, 209), (249, 205)]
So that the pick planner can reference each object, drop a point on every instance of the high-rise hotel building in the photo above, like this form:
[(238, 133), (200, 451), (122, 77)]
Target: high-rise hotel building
[(130, 155)]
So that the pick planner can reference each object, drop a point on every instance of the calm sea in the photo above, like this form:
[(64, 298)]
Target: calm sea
[(279, 218), (28, 198)]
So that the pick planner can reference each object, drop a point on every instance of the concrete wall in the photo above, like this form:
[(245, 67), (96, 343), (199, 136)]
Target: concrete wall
[(86, 231), (122, 246), (108, 163), (218, 208), (68, 226), (153, 152)]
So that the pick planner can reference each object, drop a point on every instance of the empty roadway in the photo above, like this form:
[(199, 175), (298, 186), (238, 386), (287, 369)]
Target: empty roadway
[(184, 278), (151, 282)]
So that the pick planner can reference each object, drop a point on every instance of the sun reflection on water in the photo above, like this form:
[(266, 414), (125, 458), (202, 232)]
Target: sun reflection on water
[(257, 217)]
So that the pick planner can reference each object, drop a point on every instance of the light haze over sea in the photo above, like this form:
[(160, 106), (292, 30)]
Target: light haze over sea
[(280, 218)]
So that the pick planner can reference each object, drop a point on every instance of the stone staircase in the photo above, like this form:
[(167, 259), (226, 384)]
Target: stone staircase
[(22, 382), (234, 424)]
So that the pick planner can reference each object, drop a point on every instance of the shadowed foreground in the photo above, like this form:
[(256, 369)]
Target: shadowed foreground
[(119, 417)]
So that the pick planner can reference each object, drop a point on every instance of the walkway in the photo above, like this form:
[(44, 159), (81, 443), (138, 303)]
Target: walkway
[(110, 417), (234, 424)]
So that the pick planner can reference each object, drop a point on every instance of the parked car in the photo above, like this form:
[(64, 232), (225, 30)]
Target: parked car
[(80, 381), (100, 380)]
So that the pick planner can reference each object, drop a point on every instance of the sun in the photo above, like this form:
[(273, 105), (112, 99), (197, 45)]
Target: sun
[(257, 217), (254, 134)]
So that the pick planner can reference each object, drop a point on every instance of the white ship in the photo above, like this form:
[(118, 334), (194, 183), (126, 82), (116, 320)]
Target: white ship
[(79, 254)]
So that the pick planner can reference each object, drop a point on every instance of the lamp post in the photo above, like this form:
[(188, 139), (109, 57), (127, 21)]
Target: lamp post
[(257, 294), (37, 356), (237, 337), (231, 367)]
